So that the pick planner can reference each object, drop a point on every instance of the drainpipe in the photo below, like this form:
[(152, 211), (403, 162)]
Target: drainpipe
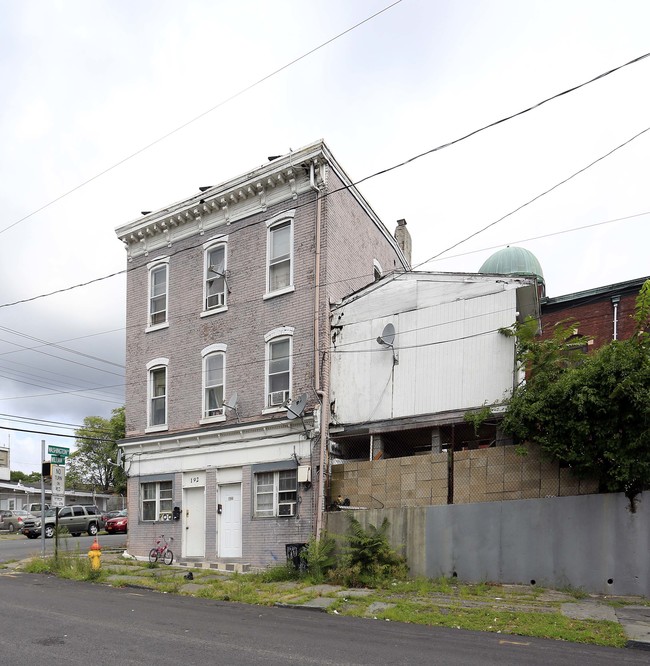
[(615, 301), (321, 383)]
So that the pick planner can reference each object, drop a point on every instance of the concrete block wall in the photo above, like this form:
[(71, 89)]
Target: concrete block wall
[(480, 475)]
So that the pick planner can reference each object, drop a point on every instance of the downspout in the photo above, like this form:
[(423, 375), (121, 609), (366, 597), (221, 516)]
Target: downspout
[(321, 384), (615, 301)]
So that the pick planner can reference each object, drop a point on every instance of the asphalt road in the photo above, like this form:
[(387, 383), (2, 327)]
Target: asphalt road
[(46, 620), (19, 547)]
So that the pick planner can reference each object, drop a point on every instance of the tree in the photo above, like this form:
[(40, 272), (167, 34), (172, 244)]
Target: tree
[(93, 464), (588, 411), (25, 479)]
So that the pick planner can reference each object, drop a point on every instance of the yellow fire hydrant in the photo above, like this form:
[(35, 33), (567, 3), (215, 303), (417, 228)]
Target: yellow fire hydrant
[(95, 554)]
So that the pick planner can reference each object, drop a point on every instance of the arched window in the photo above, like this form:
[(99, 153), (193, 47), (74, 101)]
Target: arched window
[(158, 293), (279, 349), (215, 285), (214, 380), (157, 394)]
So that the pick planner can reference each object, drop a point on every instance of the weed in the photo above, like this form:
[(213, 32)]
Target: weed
[(318, 556), (277, 574)]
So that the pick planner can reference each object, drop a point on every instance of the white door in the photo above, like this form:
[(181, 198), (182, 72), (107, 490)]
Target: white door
[(194, 521), (230, 520)]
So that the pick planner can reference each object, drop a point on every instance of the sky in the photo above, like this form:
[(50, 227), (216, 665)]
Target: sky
[(109, 108)]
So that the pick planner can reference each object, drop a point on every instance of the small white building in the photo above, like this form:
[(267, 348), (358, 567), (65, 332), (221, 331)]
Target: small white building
[(413, 353)]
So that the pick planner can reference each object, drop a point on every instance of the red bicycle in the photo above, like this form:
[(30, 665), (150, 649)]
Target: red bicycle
[(161, 551)]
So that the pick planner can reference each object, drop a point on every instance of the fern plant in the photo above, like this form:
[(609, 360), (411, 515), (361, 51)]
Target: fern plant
[(318, 556), (370, 559)]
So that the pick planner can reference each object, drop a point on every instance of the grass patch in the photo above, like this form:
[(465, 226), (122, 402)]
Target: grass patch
[(65, 565), (540, 625)]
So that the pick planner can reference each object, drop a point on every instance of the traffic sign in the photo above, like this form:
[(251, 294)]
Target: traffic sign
[(58, 500), (58, 460), (58, 481), (58, 451)]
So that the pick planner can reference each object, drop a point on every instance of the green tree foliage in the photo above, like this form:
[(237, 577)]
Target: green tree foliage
[(92, 464), (589, 411), (25, 479)]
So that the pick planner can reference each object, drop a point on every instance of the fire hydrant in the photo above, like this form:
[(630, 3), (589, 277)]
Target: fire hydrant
[(95, 554)]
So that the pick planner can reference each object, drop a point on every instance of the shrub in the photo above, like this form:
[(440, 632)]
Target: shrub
[(318, 556), (369, 559)]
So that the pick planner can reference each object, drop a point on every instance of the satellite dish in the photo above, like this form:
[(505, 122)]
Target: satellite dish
[(387, 336), (232, 401), (297, 407)]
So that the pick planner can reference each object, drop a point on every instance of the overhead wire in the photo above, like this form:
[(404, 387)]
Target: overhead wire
[(200, 115)]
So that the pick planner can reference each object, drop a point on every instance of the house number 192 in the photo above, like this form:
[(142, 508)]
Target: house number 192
[(194, 479)]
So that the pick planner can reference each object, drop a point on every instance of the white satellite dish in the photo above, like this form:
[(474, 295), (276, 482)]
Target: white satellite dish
[(387, 336), (231, 403), (297, 407)]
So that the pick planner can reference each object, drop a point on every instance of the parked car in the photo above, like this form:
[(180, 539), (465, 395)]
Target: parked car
[(32, 525), (13, 519), (106, 516), (119, 523), (35, 508), (76, 519)]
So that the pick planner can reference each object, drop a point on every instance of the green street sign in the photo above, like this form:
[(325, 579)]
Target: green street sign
[(57, 460), (58, 451)]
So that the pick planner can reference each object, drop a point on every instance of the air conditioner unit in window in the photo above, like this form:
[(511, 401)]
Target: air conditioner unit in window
[(287, 509), (216, 300), (277, 398)]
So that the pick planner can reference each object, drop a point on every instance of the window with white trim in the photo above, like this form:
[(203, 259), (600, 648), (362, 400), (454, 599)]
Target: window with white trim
[(215, 286), (214, 366), (278, 376), (156, 497), (280, 254), (276, 493), (157, 393), (158, 292)]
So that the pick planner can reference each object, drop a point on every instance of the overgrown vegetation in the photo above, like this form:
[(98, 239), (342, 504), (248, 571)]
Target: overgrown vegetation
[(319, 557), (588, 411), (65, 564), (368, 560)]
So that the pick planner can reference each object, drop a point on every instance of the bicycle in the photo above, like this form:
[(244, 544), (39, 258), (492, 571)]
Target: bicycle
[(161, 551)]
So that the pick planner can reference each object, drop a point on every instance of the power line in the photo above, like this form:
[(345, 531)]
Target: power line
[(539, 196), (345, 187), (55, 434), (201, 115), (534, 238)]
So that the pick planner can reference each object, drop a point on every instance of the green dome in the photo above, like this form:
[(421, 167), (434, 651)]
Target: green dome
[(513, 261)]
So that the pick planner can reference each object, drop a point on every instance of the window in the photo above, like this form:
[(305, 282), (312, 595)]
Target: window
[(376, 270), (215, 288), (278, 364), (155, 498), (276, 493), (214, 371), (158, 288), (157, 403), (280, 251)]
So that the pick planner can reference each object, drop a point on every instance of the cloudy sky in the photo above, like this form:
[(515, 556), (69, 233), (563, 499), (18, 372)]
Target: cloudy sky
[(87, 84)]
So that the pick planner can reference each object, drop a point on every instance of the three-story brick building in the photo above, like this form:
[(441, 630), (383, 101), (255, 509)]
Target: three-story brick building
[(228, 295)]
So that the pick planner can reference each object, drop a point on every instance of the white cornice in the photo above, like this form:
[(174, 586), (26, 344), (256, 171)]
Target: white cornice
[(283, 179)]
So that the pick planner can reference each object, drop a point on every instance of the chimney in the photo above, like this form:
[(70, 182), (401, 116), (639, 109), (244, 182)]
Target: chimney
[(403, 238)]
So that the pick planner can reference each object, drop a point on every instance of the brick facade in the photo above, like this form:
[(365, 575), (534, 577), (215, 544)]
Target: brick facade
[(597, 312), (351, 239)]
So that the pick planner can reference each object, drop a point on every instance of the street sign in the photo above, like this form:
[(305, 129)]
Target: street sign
[(57, 460), (58, 482), (58, 451)]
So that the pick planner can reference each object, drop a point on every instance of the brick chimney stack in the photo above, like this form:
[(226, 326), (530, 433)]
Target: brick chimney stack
[(403, 238)]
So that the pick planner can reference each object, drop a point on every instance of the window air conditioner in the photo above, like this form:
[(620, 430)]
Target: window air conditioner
[(277, 398), (287, 509)]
